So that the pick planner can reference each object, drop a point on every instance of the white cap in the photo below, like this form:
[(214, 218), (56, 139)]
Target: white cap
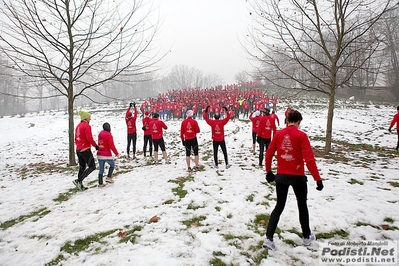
[(189, 113), (257, 113)]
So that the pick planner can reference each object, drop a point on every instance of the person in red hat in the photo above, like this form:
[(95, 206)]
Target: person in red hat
[(157, 126), (131, 129), (147, 133)]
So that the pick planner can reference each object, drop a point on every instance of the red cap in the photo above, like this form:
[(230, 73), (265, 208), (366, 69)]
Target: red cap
[(146, 113)]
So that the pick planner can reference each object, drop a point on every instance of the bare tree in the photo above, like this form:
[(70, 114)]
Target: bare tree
[(389, 26), (183, 76), (319, 39), (77, 46)]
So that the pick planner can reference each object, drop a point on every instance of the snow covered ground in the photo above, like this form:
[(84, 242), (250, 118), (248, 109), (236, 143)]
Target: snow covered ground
[(207, 218)]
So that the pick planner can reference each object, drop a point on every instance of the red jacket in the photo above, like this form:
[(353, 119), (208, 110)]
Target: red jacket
[(189, 129), (217, 126), (267, 126), (106, 145), (255, 122), (131, 120), (156, 127), (395, 120), (293, 149), (83, 136), (146, 123)]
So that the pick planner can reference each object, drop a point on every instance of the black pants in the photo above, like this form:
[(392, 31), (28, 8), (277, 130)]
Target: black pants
[(159, 143), (85, 158), (263, 143), (397, 145), (301, 192), (222, 145), (254, 137), (191, 144), (147, 140), (131, 138)]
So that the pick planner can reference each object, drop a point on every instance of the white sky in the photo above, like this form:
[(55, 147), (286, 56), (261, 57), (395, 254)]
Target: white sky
[(206, 35), (222, 197)]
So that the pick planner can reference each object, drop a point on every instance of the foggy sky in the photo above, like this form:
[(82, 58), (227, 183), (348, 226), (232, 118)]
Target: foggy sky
[(205, 34)]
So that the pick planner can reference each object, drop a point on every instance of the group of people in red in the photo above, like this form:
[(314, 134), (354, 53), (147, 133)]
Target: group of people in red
[(239, 99)]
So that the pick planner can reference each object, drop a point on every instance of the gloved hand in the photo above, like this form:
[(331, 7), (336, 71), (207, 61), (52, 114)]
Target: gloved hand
[(184, 143), (225, 108), (270, 177), (390, 130), (134, 104), (143, 128), (206, 109), (319, 185), (97, 147), (130, 105)]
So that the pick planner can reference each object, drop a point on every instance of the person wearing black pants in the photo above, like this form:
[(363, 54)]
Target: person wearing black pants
[(83, 141), (222, 145), (293, 150)]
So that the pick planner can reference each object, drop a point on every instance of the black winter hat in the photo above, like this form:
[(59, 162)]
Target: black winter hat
[(107, 127)]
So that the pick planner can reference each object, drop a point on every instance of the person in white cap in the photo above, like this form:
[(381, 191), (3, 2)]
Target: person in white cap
[(188, 134), (255, 118)]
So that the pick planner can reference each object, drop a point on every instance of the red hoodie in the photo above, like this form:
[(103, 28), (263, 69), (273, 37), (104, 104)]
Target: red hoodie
[(83, 136), (395, 120), (106, 145), (156, 127), (189, 129), (131, 120), (255, 122), (293, 149), (267, 126), (217, 126), (146, 123)]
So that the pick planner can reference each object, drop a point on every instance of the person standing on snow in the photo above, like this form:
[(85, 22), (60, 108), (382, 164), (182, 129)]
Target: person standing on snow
[(255, 126), (293, 149), (395, 120), (218, 134), (188, 134), (83, 141), (266, 129), (131, 129), (147, 133), (156, 127), (104, 155)]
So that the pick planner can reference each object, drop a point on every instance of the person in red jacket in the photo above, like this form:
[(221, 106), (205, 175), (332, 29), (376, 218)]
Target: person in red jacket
[(131, 129), (83, 141), (266, 129), (147, 133), (395, 120), (255, 126), (293, 149), (104, 154), (218, 134), (156, 127), (188, 134)]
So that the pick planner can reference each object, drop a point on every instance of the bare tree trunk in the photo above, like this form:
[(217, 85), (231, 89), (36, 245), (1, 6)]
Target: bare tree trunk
[(71, 133), (330, 116)]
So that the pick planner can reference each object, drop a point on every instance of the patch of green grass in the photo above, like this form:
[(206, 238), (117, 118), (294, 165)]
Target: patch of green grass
[(354, 181), (367, 224), (179, 191), (389, 220), (168, 201), (218, 208), (229, 216), (131, 234), (36, 215), (191, 206), (195, 221), (40, 237), (56, 261), (65, 196), (217, 262), (250, 198), (394, 184), (80, 245), (332, 234)]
